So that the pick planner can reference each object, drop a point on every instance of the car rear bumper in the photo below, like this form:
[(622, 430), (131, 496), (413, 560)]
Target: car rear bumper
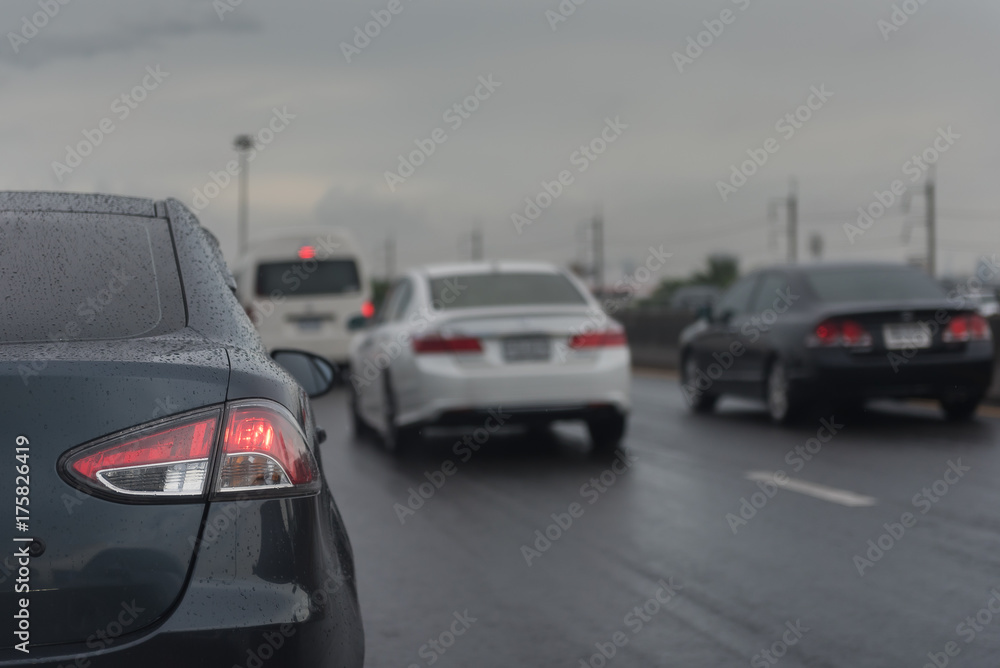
[(837, 373), (445, 390), (251, 596)]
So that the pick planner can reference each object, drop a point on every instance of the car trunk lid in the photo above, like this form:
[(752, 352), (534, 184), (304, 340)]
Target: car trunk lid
[(101, 568)]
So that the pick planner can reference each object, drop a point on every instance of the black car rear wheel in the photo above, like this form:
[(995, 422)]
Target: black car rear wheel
[(698, 400), (782, 404), (958, 411)]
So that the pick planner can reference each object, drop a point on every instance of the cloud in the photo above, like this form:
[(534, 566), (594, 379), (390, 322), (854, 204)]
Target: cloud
[(123, 34)]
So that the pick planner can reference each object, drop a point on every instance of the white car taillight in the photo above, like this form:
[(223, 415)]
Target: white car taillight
[(169, 458), (262, 450), (609, 338), (436, 343)]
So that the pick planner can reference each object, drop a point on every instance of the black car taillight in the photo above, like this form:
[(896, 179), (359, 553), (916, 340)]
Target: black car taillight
[(261, 450), (966, 327), (839, 332)]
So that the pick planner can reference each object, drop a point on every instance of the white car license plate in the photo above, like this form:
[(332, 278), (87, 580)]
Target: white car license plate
[(908, 335), (526, 349), (310, 324)]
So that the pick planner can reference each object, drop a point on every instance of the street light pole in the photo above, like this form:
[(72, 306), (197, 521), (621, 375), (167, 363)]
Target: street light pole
[(243, 145)]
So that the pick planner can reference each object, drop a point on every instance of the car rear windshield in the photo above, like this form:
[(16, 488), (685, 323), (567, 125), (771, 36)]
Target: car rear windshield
[(871, 284), (503, 289), (304, 278), (66, 277)]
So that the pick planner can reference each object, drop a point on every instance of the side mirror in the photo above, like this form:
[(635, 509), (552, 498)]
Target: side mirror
[(704, 312), (357, 323), (313, 373)]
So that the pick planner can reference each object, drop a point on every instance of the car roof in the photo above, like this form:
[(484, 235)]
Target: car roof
[(823, 266), (492, 267), (80, 203)]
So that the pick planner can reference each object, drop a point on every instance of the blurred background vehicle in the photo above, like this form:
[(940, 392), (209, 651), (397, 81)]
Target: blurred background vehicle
[(840, 332), (451, 343), (171, 465), (306, 289), (694, 297)]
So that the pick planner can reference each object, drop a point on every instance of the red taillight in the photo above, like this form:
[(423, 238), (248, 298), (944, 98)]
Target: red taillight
[(307, 253), (606, 339), (966, 327), (263, 448), (368, 309), (435, 343), (843, 333), (167, 459)]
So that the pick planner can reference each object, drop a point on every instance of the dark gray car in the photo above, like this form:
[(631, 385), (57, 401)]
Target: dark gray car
[(170, 506), (842, 332)]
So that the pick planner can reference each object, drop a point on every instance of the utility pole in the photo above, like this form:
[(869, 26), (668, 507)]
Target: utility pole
[(476, 243), (930, 202), (791, 203), (930, 219), (390, 258), (598, 239), (243, 145)]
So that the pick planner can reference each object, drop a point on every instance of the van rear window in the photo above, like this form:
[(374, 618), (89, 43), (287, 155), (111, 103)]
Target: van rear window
[(305, 278)]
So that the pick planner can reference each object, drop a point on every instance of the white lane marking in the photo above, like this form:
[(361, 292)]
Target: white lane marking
[(831, 494)]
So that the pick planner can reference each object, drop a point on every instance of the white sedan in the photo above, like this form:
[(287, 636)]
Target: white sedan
[(489, 344)]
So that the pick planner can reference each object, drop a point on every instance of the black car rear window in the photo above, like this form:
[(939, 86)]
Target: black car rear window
[(871, 284), (503, 289), (66, 277), (307, 278)]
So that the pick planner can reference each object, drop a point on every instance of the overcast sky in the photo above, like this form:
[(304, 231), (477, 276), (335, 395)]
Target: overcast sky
[(559, 83)]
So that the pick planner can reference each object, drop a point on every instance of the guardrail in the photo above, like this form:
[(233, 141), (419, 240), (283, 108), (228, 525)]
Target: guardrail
[(653, 336)]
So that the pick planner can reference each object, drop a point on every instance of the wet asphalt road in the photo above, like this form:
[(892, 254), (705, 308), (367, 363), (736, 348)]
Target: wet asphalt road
[(786, 581)]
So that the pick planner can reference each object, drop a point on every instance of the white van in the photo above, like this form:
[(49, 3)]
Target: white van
[(306, 289)]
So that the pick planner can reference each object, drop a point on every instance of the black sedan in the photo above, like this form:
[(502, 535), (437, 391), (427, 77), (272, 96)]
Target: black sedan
[(842, 332), (169, 507)]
